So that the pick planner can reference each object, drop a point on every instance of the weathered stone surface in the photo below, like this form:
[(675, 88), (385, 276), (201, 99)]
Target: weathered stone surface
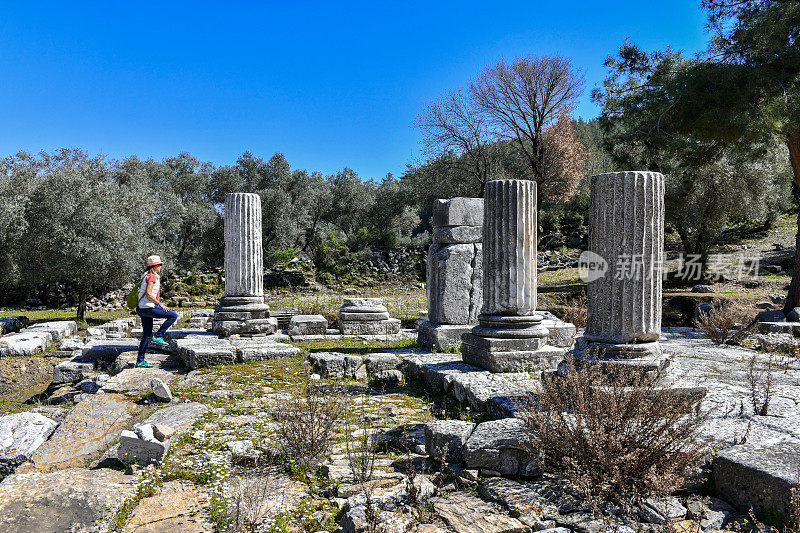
[(771, 316), (24, 433), (524, 500), (75, 499), (177, 506), (260, 349), (160, 390), (59, 330), (454, 283), (71, 371), (435, 369), (559, 333), (198, 353), (457, 234), (88, 430), (760, 476), (254, 326), (26, 342), (179, 416), (478, 389), (626, 229), (141, 447), (500, 445), (383, 327), (308, 325), (775, 342), (162, 432), (445, 439), (441, 336), (133, 381), (366, 304), (466, 513), (458, 211), (544, 358), (333, 365), (387, 378), (381, 361), (363, 316)]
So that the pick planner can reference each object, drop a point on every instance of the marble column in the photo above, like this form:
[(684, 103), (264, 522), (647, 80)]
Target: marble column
[(242, 308), (509, 336), (626, 229)]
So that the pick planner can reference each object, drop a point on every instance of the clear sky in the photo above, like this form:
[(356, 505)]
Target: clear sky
[(328, 84)]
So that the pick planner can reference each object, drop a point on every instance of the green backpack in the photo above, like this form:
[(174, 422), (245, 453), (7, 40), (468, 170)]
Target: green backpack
[(133, 296)]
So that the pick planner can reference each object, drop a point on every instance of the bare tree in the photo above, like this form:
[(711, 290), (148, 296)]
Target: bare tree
[(453, 125), (523, 99)]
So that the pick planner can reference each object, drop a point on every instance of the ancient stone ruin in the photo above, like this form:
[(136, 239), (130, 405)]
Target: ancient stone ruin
[(509, 336), (366, 316), (242, 308), (454, 272), (626, 230)]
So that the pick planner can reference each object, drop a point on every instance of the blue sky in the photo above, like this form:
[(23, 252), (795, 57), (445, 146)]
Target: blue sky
[(330, 85)]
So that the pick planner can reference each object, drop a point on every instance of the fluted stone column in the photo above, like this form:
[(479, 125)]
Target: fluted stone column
[(626, 229), (509, 335), (242, 308)]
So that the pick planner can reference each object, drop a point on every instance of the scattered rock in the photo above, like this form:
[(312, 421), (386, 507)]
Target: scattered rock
[(23, 433), (466, 513), (162, 432), (703, 288), (160, 390)]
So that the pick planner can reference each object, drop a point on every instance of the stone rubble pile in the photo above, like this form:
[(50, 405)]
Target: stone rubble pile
[(366, 316), (454, 272), (37, 338)]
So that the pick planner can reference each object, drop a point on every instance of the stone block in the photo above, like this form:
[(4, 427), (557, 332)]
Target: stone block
[(457, 234), (308, 325), (761, 476), (162, 432), (771, 316), (59, 330), (454, 288), (135, 450), (198, 353), (107, 350), (501, 446), (267, 326), (346, 316), (260, 349), (545, 358), (383, 327), (377, 362), (365, 303), (559, 333), (441, 336), (26, 342), (496, 344), (445, 439), (23, 433), (387, 378), (459, 211), (334, 365), (71, 371), (178, 416)]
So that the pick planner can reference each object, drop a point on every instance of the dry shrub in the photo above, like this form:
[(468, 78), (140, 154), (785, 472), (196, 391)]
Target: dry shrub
[(614, 437), (575, 311), (729, 323), (361, 444), (760, 380), (306, 423), (252, 497)]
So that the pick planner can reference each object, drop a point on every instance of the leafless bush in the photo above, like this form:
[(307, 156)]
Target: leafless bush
[(730, 323), (252, 498), (575, 311), (306, 423), (361, 445), (614, 437), (760, 380)]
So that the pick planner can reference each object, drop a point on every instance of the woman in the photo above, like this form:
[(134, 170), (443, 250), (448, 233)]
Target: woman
[(150, 307)]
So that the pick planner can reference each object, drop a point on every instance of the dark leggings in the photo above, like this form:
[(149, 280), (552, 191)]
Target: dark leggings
[(148, 314)]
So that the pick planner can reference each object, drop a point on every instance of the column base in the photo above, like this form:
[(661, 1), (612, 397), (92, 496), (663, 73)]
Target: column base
[(367, 327), (441, 336), (645, 356), (243, 315), (501, 343)]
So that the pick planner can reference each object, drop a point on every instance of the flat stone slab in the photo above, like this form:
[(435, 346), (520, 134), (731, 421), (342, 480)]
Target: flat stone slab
[(779, 327), (435, 369), (179, 416), (177, 506), (545, 358), (478, 389), (134, 381), (262, 349), (25, 343), (201, 352), (761, 476), (24, 433), (66, 500), (91, 427), (59, 330), (466, 513), (382, 327), (183, 333), (308, 325)]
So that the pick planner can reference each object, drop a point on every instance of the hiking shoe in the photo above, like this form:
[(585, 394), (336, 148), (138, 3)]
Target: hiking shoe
[(159, 341), (143, 364)]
